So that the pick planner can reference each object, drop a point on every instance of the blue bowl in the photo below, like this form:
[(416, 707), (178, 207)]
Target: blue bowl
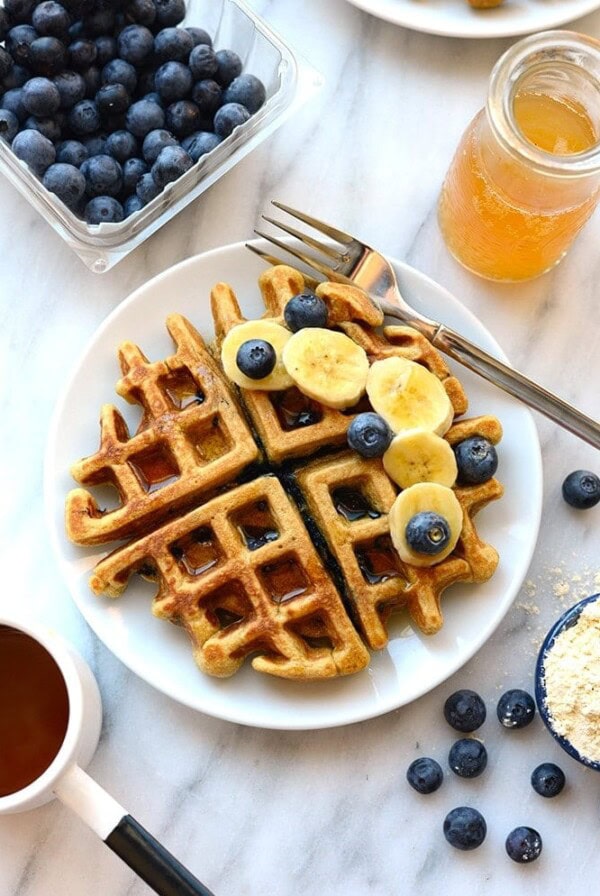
[(567, 620)]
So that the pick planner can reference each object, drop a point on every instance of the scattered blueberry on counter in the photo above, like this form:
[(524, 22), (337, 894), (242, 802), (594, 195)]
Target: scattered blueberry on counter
[(464, 710), (523, 844), (465, 828), (81, 81), (581, 489), (515, 709), (468, 758), (425, 775), (548, 779)]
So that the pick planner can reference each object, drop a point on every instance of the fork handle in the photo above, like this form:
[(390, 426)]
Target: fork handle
[(460, 349)]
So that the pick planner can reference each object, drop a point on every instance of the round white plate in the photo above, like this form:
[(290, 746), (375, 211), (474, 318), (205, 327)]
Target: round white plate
[(455, 18), (158, 651)]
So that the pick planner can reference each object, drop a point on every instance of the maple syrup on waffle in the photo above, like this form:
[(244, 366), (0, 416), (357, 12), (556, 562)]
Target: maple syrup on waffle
[(34, 710), (352, 504)]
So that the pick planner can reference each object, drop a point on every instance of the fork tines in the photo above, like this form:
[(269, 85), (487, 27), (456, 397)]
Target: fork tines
[(337, 258)]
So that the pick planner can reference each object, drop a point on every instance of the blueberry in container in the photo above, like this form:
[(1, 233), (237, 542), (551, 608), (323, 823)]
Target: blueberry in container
[(289, 81)]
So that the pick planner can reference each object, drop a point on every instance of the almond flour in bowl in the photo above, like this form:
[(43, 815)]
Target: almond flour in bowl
[(568, 681)]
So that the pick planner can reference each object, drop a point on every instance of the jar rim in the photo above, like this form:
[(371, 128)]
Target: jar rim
[(566, 47)]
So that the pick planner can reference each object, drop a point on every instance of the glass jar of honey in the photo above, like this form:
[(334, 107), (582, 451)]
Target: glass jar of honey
[(526, 175)]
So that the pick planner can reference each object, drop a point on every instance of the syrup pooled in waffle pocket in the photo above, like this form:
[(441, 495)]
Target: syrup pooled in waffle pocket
[(293, 485)]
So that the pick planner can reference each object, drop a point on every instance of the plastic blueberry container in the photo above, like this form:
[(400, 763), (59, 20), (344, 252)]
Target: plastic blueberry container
[(289, 81)]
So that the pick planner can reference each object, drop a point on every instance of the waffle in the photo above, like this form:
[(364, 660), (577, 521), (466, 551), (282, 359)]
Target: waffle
[(349, 499), (191, 439), (242, 576), (283, 558)]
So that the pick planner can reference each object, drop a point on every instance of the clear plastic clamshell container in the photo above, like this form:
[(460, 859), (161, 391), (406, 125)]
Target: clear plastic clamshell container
[(289, 82)]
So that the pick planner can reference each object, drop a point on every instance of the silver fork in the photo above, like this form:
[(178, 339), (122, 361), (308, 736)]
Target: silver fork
[(359, 264)]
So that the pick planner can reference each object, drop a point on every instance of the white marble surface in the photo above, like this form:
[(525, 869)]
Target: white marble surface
[(254, 811)]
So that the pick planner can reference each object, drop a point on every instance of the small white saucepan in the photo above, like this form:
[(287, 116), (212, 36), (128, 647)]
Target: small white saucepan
[(50, 719)]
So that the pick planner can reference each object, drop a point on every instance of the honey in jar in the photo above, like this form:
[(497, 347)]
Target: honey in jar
[(526, 175)]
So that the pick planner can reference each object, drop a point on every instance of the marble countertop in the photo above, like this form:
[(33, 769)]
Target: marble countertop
[(254, 811)]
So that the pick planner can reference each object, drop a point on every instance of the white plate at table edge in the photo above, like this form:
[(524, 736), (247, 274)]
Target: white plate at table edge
[(159, 653), (455, 18)]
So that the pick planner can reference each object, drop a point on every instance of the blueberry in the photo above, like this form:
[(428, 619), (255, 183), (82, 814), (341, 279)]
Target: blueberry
[(169, 12), (199, 36), (146, 189), (305, 310), (49, 127), (71, 152), (71, 88), (117, 71), (154, 98), (121, 145), (182, 118), (4, 23), (229, 117), (35, 150), (135, 44), (18, 43), (40, 97), (467, 757), (143, 117), (548, 779), (369, 434), (95, 144), (17, 76), (132, 205), (427, 533), (103, 176), (203, 62), (581, 489), (464, 710), (516, 709), (6, 63), (200, 143), (92, 81), (133, 169), (19, 10), (207, 95), (256, 358), (477, 460), (523, 844), (154, 142), (112, 99), (106, 49), (172, 162), (425, 775), (173, 81), (104, 210), (173, 44), (50, 18), (82, 53), (67, 182), (84, 118), (13, 101), (465, 828), (48, 56), (9, 125), (141, 11), (247, 90), (229, 67)]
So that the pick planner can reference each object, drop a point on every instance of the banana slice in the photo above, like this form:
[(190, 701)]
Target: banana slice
[(408, 396), (419, 455), (327, 366), (271, 332), (420, 498)]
